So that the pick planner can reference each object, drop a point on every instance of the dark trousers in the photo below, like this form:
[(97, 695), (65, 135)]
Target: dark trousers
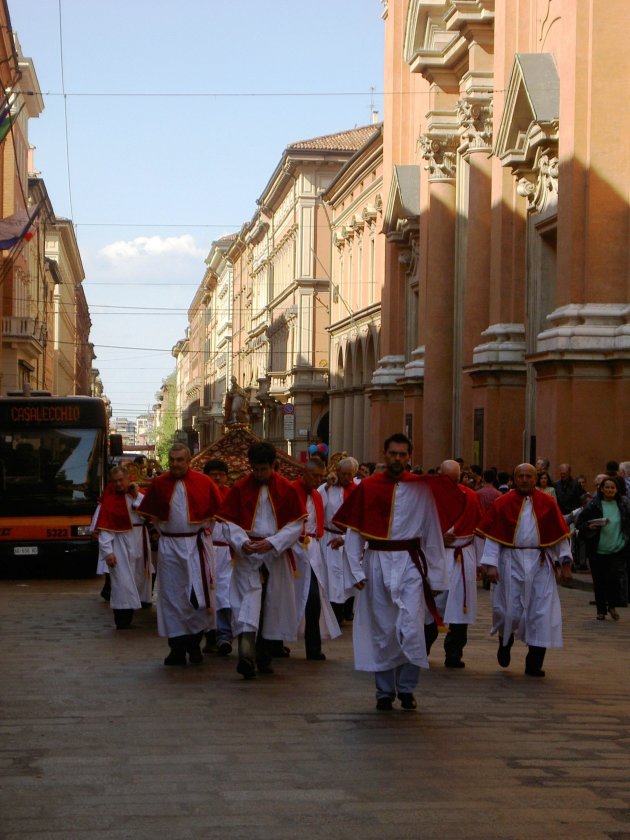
[(608, 571), (312, 636), (455, 641), (185, 644)]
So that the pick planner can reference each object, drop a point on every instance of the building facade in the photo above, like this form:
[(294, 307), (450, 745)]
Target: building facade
[(506, 232)]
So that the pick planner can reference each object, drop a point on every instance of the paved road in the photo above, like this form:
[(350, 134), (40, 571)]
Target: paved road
[(100, 740)]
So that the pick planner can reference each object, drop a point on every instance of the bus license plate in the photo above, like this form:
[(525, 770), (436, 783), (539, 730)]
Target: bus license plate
[(25, 549)]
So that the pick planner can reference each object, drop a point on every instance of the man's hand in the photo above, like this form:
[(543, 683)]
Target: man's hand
[(492, 574), (565, 572), (257, 546), (111, 560), (336, 542), (360, 584)]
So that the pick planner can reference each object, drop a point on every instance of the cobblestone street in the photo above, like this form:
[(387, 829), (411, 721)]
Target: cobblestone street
[(100, 740)]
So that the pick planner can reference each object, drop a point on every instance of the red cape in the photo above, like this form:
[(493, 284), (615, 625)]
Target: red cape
[(471, 516), (369, 509), (241, 502), (114, 513), (202, 496), (318, 502), (500, 521)]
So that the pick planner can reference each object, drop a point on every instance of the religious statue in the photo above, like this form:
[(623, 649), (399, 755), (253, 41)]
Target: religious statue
[(236, 405)]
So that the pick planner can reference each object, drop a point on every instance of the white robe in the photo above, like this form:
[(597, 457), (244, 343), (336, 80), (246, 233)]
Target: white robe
[(525, 601), (179, 573), (130, 579), (333, 558), (309, 557), (391, 611), (458, 605), (222, 572), (281, 603)]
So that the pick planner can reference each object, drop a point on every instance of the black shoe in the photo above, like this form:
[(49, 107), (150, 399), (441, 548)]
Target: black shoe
[(453, 662), (195, 656), (246, 668), (317, 657), (384, 704), (504, 653), (211, 642), (146, 605), (534, 672), (123, 619), (264, 667), (224, 649), (176, 657), (407, 701)]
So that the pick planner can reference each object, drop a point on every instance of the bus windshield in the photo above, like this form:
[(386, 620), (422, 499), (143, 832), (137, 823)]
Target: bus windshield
[(49, 470)]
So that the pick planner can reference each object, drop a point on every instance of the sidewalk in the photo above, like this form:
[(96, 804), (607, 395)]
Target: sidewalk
[(100, 740)]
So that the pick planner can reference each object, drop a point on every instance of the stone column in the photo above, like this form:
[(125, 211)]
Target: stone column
[(439, 149)]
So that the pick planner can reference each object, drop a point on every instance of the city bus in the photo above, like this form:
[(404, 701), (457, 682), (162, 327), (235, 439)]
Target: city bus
[(53, 460)]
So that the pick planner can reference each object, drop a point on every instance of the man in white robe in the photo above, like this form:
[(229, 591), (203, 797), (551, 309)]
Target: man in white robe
[(262, 518), (458, 605), (527, 545), (182, 503), (319, 620), (220, 640), (396, 575), (332, 543), (123, 547)]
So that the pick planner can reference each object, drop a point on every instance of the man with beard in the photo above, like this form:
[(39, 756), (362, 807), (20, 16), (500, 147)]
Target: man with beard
[(402, 567)]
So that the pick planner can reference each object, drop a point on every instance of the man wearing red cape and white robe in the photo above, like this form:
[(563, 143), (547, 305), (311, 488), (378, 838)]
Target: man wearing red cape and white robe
[(458, 606), (319, 618), (182, 503), (123, 547), (262, 516), (527, 544), (402, 516), (220, 640)]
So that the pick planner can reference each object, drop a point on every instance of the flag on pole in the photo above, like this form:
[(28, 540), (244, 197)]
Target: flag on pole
[(19, 226)]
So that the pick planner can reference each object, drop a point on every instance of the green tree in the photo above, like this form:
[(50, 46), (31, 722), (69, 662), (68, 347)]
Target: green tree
[(164, 434)]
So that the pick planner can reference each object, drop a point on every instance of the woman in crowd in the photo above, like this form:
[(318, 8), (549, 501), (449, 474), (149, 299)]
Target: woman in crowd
[(605, 526), (544, 483)]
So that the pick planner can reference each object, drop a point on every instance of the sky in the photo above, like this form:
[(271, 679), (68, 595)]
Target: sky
[(162, 125)]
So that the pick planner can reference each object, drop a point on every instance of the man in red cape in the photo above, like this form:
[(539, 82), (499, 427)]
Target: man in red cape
[(527, 543), (182, 503), (458, 606), (315, 606), (262, 516), (402, 517), (123, 547)]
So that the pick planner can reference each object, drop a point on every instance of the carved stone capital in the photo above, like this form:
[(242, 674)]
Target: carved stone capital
[(475, 119), (440, 152), (540, 186)]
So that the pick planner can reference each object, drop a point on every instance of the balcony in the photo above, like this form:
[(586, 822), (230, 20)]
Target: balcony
[(16, 328)]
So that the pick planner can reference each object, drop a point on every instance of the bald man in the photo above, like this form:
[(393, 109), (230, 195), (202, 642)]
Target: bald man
[(527, 546), (458, 605)]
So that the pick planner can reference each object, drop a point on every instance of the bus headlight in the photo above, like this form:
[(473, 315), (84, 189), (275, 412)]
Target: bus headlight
[(83, 530)]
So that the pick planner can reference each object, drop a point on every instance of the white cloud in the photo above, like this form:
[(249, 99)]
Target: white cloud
[(151, 247)]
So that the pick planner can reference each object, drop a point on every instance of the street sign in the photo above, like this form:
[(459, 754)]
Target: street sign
[(289, 408)]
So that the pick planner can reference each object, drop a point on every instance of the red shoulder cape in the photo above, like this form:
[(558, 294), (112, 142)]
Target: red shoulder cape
[(114, 513), (202, 496), (369, 508), (472, 513), (500, 521), (318, 502), (241, 503)]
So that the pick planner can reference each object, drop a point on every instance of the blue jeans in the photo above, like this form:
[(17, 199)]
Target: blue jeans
[(400, 680), (224, 625)]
